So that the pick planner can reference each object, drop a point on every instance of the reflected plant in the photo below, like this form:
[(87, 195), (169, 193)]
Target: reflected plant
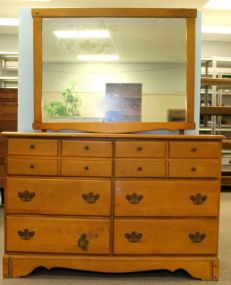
[(70, 106)]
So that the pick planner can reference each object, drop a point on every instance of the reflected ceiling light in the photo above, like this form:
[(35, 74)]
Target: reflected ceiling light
[(101, 57), (9, 21), (216, 29), (218, 4), (87, 34)]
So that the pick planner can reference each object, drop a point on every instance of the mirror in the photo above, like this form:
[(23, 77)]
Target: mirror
[(114, 70)]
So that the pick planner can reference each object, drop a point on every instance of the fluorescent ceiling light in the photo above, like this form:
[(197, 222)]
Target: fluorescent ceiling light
[(218, 4), (9, 21), (32, 0), (8, 52), (102, 57), (87, 34), (216, 29)]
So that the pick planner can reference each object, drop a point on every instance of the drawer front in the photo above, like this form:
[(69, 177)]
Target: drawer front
[(165, 236), (194, 149), (154, 149), (32, 147), (61, 235), (194, 168), (31, 166), (86, 148), (58, 196), (8, 111), (87, 167), (162, 198), (139, 168), (2, 146)]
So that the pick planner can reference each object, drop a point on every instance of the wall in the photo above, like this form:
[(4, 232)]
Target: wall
[(9, 42), (219, 49), (25, 84), (163, 85)]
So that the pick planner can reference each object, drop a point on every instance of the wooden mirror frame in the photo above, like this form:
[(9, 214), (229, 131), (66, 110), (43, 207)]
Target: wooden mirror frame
[(114, 127)]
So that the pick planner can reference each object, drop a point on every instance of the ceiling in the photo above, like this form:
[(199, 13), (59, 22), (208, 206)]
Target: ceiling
[(11, 8)]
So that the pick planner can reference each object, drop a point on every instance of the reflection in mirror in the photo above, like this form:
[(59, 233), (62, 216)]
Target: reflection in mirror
[(113, 69)]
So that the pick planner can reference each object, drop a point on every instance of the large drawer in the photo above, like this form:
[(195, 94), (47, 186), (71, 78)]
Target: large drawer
[(166, 198), (86, 167), (165, 236), (194, 149), (154, 149), (31, 166), (86, 148), (139, 168), (57, 235), (209, 168), (58, 196), (32, 147)]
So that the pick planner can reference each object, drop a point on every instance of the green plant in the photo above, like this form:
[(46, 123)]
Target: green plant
[(69, 106)]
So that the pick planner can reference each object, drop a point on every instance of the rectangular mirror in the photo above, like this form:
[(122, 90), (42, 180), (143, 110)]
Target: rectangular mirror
[(114, 70)]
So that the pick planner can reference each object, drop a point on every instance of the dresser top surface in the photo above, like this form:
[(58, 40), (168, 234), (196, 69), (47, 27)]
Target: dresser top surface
[(116, 136)]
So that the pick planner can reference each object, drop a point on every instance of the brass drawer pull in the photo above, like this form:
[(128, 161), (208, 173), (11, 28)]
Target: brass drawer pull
[(32, 166), (193, 168), (83, 242), (198, 199), (26, 234), (32, 146), (86, 147), (133, 236), (139, 148), (86, 167), (26, 196), (193, 149), (139, 168), (90, 197), (197, 237), (134, 198)]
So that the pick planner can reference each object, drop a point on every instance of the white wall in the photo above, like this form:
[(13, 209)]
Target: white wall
[(197, 77), (219, 49), (9, 42), (25, 84)]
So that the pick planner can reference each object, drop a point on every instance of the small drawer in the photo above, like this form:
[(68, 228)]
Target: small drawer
[(194, 168), (194, 149), (175, 236), (162, 198), (153, 149), (31, 166), (86, 167), (57, 235), (139, 168), (58, 196), (84, 148), (32, 147)]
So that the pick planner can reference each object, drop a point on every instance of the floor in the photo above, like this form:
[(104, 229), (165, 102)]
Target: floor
[(71, 277)]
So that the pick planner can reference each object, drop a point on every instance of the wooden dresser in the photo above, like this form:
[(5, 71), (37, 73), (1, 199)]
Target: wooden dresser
[(112, 203)]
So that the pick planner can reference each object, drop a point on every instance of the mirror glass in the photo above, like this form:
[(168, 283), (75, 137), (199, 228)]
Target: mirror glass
[(114, 69)]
